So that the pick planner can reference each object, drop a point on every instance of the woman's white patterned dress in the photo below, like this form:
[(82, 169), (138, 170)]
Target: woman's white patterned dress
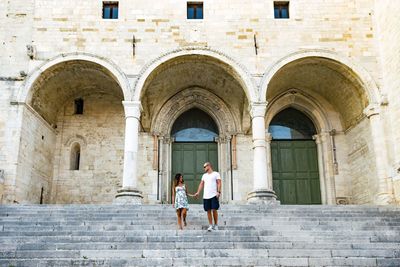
[(181, 201)]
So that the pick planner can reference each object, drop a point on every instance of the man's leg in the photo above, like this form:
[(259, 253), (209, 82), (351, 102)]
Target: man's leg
[(215, 215), (209, 217)]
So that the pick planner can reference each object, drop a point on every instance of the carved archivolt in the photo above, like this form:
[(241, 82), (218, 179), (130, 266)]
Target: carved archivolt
[(75, 139), (194, 97)]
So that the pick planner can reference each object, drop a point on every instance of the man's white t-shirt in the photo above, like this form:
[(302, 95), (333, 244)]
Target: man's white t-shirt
[(210, 184)]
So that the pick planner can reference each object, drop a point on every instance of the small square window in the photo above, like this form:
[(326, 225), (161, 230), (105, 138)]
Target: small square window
[(281, 10), (110, 10), (195, 10)]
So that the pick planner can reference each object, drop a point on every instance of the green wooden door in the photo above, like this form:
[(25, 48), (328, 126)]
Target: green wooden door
[(295, 172), (188, 159)]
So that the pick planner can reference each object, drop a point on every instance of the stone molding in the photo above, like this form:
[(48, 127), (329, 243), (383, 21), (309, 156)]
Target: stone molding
[(372, 110)]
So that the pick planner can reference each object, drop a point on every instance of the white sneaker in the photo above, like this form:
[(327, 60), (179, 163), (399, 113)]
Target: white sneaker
[(215, 227), (210, 228)]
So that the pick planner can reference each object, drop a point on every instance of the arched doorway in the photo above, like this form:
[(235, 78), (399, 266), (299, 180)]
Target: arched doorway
[(194, 134), (294, 158)]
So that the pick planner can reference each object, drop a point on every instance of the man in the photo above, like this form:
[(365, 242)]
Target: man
[(211, 181)]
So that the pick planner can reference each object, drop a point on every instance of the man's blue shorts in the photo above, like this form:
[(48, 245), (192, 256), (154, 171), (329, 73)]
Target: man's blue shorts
[(211, 204)]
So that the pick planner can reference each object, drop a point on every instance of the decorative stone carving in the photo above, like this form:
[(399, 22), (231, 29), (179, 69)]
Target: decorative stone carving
[(342, 201), (31, 51), (190, 98)]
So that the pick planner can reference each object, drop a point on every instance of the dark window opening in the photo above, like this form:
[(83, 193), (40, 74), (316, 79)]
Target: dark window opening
[(110, 10), (78, 106), (195, 10), (291, 124), (75, 157), (281, 10)]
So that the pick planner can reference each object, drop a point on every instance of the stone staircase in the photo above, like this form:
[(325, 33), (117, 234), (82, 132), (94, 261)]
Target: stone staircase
[(248, 235)]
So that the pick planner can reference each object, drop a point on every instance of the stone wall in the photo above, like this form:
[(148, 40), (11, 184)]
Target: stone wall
[(230, 25), (243, 175), (35, 159), (100, 133), (361, 164), (387, 28), (147, 176)]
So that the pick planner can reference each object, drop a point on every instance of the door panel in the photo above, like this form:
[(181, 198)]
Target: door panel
[(188, 159), (295, 172)]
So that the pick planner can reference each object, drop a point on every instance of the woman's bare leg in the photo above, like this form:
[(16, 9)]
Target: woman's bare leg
[(184, 212), (178, 214)]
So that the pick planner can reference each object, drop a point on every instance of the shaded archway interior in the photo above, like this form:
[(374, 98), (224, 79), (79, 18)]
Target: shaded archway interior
[(194, 125), (192, 71), (327, 78), (67, 81)]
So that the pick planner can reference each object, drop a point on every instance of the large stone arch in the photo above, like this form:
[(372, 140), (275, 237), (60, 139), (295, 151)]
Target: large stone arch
[(112, 69), (191, 98), (237, 70), (49, 99), (358, 73)]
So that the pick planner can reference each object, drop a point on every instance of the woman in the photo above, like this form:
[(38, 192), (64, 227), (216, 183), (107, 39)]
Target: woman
[(179, 199)]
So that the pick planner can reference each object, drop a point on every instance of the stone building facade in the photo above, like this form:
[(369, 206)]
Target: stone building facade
[(336, 63)]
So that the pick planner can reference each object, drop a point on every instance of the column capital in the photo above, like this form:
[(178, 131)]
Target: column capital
[(268, 137), (258, 109), (133, 109), (317, 138), (372, 110)]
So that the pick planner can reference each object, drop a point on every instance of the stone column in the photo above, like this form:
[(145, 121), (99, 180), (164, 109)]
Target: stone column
[(129, 194), (384, 195), (261, 193)]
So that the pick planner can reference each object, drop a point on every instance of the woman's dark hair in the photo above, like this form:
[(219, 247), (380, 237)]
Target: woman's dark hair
[(177, 177)]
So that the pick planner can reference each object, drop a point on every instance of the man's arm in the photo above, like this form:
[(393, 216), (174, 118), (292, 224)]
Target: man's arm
[(200, 188), (219, 185)]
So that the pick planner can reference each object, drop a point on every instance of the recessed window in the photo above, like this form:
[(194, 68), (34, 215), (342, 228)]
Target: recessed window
[(78, 106), (75, 157), (195, 10), (281, 10), (110, 10)]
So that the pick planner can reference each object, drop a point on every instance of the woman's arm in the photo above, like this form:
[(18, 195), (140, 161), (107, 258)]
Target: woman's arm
[(187, 193)]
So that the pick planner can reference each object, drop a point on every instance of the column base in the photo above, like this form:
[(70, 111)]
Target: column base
[(384, 199), (128, 196), (262, 196)]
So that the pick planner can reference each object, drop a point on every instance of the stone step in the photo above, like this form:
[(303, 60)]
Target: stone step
[(196, 252), (279, 244), (202, 261), (107, 235)]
